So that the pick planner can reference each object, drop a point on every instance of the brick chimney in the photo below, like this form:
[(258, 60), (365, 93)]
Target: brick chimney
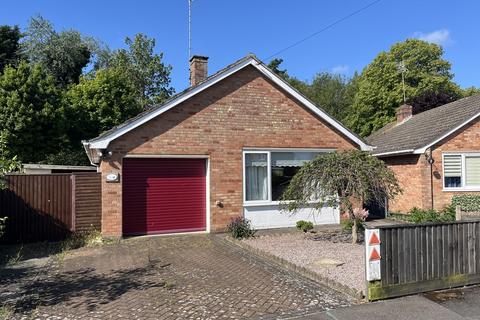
[(198, 69), (404, 112)]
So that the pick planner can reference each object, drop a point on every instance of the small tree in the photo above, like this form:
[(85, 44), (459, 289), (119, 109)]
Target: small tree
[(7, 165), (340, 179)]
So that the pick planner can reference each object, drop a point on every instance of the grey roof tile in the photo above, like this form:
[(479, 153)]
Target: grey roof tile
[(426, 127)]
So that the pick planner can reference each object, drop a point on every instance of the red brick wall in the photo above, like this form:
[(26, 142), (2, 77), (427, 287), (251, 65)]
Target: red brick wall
[(409, 170), (243, 110), (466, 140), (413, 172)]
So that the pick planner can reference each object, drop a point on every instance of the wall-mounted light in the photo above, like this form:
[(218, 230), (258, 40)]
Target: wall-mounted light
[(429, 158), (104, 153)]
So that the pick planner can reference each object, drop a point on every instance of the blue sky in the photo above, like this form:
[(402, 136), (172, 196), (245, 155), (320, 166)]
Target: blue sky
[(226, 30)]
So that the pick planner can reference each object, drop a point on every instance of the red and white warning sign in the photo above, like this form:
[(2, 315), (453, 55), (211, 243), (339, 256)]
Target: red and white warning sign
[(372, 254)]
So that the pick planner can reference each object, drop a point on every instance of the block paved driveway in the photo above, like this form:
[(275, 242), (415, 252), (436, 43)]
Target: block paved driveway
[(181, 277)]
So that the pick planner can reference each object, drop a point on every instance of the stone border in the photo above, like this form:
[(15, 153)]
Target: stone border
[(298, 269)]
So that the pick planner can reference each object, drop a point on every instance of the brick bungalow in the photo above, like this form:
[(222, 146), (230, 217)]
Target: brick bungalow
[(225, 147), (434, 154)]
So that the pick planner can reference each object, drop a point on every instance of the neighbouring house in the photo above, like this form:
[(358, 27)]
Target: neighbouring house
[(434, 154), (35, 168), (225, 147)]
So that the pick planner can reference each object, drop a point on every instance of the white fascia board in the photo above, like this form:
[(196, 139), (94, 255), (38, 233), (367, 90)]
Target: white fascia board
[(103, 143), (423, 149), (275, 78), (393, 153)]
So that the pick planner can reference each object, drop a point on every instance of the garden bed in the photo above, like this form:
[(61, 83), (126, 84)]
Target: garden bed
[(328, 254)]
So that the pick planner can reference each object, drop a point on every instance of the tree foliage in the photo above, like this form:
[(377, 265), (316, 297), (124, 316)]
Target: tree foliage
[(146, 69), (380, 84), (333, 93), (64, 54), (31, 112), (340, 179), (9, 45), (97, 104)]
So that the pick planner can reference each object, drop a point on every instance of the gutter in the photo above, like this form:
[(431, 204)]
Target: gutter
[(394, 153), (86, 146)]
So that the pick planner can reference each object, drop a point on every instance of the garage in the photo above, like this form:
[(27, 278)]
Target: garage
[(164, 195)]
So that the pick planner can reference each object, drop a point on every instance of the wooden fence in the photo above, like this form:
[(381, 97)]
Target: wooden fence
[(49, 206), (423, 257)]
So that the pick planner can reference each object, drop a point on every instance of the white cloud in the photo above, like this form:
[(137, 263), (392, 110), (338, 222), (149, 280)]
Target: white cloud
[(341, 69), (440, 37)]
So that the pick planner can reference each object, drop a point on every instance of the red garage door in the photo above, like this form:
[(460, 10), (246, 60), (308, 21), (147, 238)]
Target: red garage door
[(163, 195)]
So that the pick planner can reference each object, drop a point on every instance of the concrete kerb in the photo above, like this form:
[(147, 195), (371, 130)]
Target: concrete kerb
[(358, 295)]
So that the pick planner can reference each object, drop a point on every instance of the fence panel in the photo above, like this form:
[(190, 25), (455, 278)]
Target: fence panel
[(424, 257), (88, 201), (50, 206), (38, 207)]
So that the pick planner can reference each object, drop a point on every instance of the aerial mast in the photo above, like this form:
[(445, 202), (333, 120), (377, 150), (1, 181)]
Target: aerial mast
[(189, 29)]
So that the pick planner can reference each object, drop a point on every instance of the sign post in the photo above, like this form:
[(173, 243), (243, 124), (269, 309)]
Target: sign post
[(372, 254)]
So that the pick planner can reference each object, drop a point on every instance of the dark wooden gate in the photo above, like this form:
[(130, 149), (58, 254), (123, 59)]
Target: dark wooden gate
[(50, 206), (423, 257)]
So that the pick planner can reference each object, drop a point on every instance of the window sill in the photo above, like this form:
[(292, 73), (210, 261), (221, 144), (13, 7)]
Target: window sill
[(268, 203), (461, 189)]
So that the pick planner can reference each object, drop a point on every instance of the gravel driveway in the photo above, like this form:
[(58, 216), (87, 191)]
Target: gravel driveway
[(302, 250)]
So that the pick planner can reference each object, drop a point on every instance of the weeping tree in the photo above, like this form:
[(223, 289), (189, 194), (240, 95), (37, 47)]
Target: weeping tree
[(341, 179)]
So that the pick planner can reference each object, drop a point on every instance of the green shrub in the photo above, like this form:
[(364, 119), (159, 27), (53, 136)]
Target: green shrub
[(347, 225), (431, 215), (240, 228), (305, 226), (468, 202)]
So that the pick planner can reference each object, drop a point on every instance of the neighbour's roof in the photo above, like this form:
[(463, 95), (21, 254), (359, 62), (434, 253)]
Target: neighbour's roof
[(102, 141), (425, 129)]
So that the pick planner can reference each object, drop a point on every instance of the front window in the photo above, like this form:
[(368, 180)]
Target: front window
[(461, 171), (268, 173), (284, 166), (256, 176)]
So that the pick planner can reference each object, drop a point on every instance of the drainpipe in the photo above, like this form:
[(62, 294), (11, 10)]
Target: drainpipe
[(431, 161)]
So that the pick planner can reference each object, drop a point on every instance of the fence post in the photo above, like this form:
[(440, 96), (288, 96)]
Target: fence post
[(458, 213), (74, 211)]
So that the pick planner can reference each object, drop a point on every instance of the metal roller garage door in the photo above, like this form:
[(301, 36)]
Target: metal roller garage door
[(163, 195)]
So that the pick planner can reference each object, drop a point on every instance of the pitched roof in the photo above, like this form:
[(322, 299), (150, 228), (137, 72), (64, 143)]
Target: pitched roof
[(426, 128), (102, 141)]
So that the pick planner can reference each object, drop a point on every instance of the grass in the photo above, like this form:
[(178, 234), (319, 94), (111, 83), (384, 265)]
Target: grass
[(6, 312), (10, 255)]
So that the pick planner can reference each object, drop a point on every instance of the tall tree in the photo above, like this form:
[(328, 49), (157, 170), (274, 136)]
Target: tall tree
[(145, 67), (380, 85), (331, 92), (97, 104), (31, 112), (64, 54), (9, 45)]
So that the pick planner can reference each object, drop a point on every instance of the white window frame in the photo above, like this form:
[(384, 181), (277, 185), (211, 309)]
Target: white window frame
[(269, 151), (463, 179)]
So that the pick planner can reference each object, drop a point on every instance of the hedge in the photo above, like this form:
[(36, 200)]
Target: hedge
[(468, 202)]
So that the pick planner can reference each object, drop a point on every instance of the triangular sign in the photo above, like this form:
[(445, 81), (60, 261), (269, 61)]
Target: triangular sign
[(374, 239), (374, 255)]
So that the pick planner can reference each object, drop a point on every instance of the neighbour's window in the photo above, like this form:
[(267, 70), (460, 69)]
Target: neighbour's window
[(256, 176), (472, 171), (284, 166), (461, 170), (452, 166), (268, 173)]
